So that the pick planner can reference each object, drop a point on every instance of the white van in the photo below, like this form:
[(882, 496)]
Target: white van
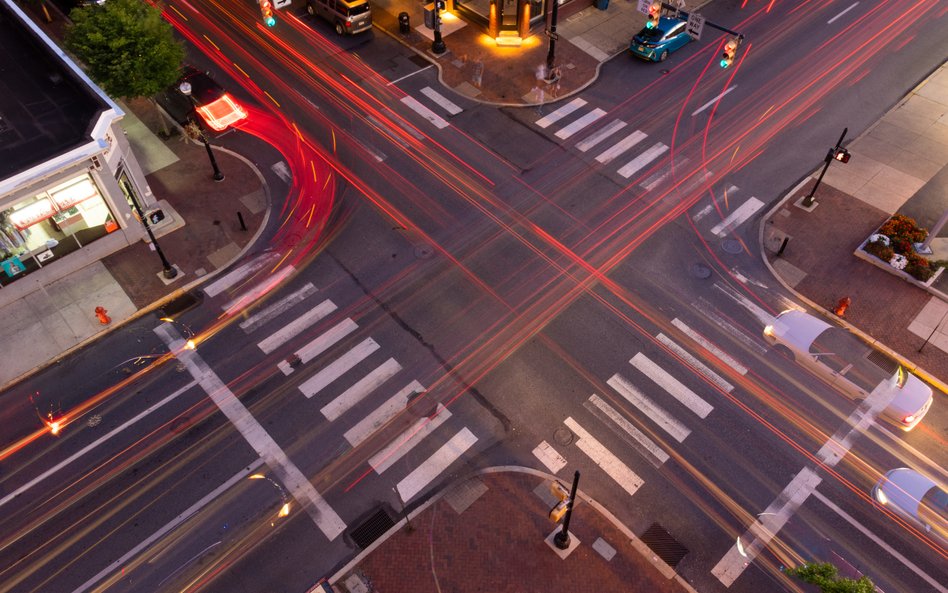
[(347, 16)]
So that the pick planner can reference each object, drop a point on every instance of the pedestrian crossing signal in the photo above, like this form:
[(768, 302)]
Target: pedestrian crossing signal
[(557, 512), (841, 155), (654, 13), (266, 11)]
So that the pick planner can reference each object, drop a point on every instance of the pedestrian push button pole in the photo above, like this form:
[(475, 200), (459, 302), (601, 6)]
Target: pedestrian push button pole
[(836, 153), (563, 510)]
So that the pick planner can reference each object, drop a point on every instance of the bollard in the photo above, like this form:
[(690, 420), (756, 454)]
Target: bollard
[(842, 305), (102, 315), (240, 218), (404, 23)]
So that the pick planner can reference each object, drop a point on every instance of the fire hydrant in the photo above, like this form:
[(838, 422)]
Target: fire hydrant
[(842, 305), (103, 316)]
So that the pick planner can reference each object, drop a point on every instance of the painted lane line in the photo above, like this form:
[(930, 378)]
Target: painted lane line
[(271, 312), (602, 457), (704, 343), (633, 166), (321, 343), (601, 408), (580, 123), (673, 386), (381, 415), (441, 100), (239, 273), (296, 327), (936, 586), (712, 314), (737, 217), (653, 411), (260, 289), (560, 113), (621, 146), (422, 475), (407, 440), (549, 457), (338, 367), (276, 459), (424, 112), (756, 310), (93, 445), (712, 101), (170, 526), (361, 389), (610, 129), (845, 10), (695, 363), (766, 527)]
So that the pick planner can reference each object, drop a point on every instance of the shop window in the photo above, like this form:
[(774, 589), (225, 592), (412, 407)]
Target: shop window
[(50, 225)]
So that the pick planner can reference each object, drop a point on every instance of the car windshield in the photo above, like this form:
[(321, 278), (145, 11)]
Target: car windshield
[(650, 34), (358, 9)]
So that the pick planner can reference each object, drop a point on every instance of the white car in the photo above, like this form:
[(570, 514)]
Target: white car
[(917, 499), (850, 364)]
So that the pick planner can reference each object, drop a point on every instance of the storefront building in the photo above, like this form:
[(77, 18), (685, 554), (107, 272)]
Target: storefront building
[(67, 174)]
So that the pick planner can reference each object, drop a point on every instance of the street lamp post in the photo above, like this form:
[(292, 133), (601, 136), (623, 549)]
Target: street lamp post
[(808, 200), (185, 88), (550, 55), (168, 270), (438, 46)]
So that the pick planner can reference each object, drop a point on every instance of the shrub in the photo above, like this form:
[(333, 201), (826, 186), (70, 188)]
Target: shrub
[(918, 267), (903, 231), (880, 250)]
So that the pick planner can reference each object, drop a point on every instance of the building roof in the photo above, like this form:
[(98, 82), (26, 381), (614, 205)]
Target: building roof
[(47, 106)]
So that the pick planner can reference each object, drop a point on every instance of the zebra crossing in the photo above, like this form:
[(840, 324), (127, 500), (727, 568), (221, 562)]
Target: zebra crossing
[(645, 385), (435, 100), (382, 383)]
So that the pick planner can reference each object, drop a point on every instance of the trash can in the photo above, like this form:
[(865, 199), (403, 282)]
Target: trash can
[(404, 24), (602, 4)]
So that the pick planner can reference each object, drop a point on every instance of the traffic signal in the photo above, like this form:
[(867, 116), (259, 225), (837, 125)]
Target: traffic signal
[(841, 155), (730, 48), (266, 11), (654, 12), (439, 4), (557, 512)]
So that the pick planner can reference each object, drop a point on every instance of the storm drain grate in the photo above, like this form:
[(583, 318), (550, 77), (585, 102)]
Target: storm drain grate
[(664, 545), (372, 528), (180, 305), (882, 361)]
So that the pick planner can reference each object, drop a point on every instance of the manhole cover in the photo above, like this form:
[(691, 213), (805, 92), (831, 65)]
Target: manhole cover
[(563, 435), (700, 271), (732, 246), (664, 545), (423, 251)]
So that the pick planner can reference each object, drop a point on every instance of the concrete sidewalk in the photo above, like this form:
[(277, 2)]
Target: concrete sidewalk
[(900, 165), (491, 533)]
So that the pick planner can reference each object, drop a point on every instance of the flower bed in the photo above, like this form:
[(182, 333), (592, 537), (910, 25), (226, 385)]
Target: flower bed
[(894, 243)]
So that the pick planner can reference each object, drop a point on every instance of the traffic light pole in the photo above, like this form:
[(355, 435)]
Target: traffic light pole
[(808, 200), (561, 539), (437, 46), (553, 37), (168, 270)]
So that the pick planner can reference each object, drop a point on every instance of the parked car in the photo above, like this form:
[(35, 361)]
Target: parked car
[(655, 44), (851, 365), (215, 105), (917, 499), (348, 17)]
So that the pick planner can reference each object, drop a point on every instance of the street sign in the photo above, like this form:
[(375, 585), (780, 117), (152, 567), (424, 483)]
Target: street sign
[(643, 6), (695, 25), (281, 3)]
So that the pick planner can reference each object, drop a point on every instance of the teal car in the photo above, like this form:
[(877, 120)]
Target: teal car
[(655, 44)]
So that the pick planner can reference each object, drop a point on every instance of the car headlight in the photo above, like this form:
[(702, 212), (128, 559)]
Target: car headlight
[(880, 496)]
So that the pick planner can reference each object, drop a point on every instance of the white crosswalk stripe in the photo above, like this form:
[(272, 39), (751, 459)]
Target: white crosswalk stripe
[(549, 457), (601, 456), (695, 363), (296, 327), (322, 343), (248, 297), (388, 410), (621, 146), (441, 100), (547, 120), (737, 217), (406, 441), (580, 123), (413, 104), (361, 389), (276, 309), (707, 345), (653, 180), (239, 273), (643, 159), (673, 386), (338, 367), (600, 407), (712, 314), (594, 139), (650, 409), (422, 475)]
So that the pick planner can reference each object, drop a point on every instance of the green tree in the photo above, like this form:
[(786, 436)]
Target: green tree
[(825, 576), (128, 49)]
